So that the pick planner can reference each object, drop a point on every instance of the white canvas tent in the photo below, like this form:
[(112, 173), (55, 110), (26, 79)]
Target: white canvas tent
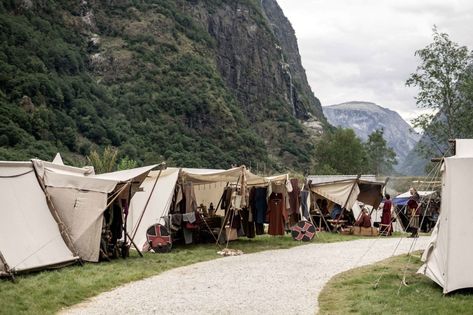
[(142, 215), (30, 238), (347, 190), (447, 261), (208, 187), (81, 197)]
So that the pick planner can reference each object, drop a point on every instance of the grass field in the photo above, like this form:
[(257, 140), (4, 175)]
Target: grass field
[(49, 291), (356, 292)]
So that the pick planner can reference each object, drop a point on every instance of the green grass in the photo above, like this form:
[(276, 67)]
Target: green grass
[(48, 291), (356, 292)]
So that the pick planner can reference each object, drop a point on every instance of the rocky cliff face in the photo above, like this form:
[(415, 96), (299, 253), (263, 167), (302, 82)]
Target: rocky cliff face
[(258, 57), (305, 103), (365, 117)]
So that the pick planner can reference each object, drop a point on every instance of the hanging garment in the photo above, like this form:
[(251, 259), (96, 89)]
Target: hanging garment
[(294, 196), (187, 236), (260, 204), (234, 219), (277, 214), (259, 228), (191, 203), (305, 203), (176, 221), (248, 226)]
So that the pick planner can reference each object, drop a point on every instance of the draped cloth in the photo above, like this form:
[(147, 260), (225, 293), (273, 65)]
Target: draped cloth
[(277, 214)]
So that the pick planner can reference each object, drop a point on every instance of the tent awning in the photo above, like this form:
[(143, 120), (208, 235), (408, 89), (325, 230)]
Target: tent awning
[(365, 190)]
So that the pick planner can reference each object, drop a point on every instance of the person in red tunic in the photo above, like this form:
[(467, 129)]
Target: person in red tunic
[(386, 224), (364, 220)]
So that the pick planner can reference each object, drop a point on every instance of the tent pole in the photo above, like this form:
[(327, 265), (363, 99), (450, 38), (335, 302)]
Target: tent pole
[(133, 243), (125, 223), (147, 201), (226, 214), (7, 267)]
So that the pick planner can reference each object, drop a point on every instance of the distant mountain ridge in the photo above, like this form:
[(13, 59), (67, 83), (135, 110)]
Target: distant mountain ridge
[(366, 117)]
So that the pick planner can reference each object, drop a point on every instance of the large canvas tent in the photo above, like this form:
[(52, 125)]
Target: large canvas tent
[(346, 190), (447, 261), (30, 238), (150, 205), (80, 198)]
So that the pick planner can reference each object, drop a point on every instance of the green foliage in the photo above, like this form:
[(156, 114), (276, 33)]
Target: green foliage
[(445, 82), (105, 162), (380, 157), (150, 88), (340, 152), (126, 163)]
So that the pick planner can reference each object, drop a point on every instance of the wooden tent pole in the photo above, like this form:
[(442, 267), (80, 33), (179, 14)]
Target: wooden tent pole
[(147, 201)]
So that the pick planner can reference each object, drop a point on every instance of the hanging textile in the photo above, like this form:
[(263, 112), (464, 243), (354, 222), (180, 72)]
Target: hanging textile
[(277, 214), (260, 204), (247, 223), (294, 196), (191, 203), (305, 203)]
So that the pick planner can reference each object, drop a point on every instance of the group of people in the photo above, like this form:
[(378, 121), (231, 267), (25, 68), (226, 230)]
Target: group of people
[(386, 227)]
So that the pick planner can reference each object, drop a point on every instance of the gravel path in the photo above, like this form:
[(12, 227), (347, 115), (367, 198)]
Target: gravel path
[(272, 282)]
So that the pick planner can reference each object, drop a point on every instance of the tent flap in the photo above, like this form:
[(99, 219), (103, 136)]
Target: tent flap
[(29, 236)]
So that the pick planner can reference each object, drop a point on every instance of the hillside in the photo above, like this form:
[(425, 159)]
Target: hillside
[(366, 117), (195, 83)]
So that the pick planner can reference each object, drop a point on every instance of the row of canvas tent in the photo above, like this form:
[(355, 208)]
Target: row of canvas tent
[(152, 204), (52, 213)]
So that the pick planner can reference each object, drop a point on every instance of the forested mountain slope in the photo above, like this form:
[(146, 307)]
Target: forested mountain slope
[(195, 83)]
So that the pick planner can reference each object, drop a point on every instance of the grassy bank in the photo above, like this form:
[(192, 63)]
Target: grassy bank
[(356, 292), (47, 292)]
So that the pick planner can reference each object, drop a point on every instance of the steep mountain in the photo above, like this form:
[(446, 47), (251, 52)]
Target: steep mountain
[(198, 83), (366, 117)]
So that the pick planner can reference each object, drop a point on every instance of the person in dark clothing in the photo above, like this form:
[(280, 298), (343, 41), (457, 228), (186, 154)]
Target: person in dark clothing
[(413, 210)]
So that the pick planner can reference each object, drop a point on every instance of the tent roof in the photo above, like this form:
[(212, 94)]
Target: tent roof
[(422, 193), (326, 179), (401, 200), (135, 174), (337, 189), (58, 159), (212, 176)]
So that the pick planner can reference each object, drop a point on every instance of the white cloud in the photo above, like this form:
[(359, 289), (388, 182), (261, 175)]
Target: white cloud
[(364, 50)]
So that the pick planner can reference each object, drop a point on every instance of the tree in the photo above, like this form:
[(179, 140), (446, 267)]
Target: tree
[(126, 163), (381, 158), (103, 163), (444, 80), (340, 152)]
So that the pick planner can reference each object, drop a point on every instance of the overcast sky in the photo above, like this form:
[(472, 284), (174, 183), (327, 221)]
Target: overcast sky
[(363, 50)]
